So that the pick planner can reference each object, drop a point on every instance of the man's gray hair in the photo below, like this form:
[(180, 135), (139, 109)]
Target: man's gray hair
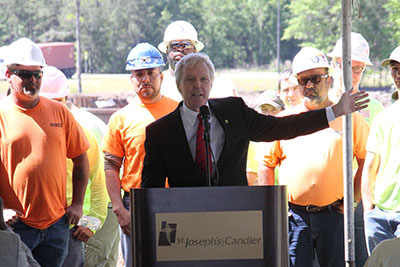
[(192, 59)]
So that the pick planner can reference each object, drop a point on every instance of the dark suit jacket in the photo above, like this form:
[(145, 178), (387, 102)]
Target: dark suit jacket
[(168, 153)]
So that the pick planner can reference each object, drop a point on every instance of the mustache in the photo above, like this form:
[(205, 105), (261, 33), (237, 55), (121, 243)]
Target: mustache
[(146, 85), (310, 90)]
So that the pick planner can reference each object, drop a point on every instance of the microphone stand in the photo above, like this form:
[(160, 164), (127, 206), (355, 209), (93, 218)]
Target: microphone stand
[(206, 138), (205, 116)]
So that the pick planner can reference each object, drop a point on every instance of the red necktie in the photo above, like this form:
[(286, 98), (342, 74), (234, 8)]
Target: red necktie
[(200, 148)]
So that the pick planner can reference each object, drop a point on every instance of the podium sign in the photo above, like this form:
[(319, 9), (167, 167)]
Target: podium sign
[(209, 226), (209, 235)]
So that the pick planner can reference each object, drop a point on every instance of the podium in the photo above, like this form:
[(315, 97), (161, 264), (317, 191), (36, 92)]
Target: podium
[(209, 226)]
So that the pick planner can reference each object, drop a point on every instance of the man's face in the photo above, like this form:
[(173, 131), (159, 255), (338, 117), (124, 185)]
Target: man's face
[(177, 49), (315, 84), (290, 93), (195, 85), (357, 69), (268, 109), (395, 72), (147, 84), (25, 82)]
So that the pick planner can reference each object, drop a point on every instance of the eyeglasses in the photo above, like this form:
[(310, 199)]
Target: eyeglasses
[(355, 69), (27, 74), (180, 46), (314, 79)]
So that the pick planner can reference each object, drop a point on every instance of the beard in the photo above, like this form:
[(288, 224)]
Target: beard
[(312, 96), (31, 90), (311, 93), (172, 63)]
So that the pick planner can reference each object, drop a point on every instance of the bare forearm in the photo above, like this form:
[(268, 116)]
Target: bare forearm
[(114, 188), (80, 175), (369, 174), (357, 180), (114, 191), (266, 175)]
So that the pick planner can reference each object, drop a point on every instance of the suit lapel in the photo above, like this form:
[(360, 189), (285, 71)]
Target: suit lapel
[(178, 136)]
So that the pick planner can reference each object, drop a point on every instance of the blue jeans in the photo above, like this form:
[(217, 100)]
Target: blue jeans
[(359, 236), (75, 256), (49, 246), (318, 233), (126, 244), (380, 225)]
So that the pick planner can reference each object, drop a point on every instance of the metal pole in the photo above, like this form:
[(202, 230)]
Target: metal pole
[(78, 46), (278, 35), (347, 140)]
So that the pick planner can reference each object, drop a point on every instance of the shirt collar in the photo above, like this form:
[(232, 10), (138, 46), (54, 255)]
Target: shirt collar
[(189, 115)]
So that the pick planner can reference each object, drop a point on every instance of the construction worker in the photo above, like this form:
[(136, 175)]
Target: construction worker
[(289, 89), (269, 103), (180, 39), (380, 179), (37, 135), (359, 61), (124, 141), (290, 94), (55, 86), (312, 168)]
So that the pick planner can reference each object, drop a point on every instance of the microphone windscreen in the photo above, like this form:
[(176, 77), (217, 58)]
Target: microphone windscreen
[(204, 111)]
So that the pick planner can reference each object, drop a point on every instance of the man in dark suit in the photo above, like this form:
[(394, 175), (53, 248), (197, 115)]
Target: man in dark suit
[(170, 144)]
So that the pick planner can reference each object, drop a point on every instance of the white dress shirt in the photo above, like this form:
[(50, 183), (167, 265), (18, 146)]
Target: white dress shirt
[(190, 123)]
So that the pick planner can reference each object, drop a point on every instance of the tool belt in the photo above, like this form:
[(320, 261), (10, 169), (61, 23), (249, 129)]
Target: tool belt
[(312, 208)]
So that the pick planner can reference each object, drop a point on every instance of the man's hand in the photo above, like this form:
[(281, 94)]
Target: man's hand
[(10, 217), (82, 233), (74, 213), (350, 102), (124, 220)]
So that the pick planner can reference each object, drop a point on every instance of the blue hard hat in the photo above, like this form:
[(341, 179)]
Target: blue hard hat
[(144, 56)]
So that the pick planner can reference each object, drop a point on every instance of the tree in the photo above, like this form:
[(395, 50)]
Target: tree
[(314, 23)]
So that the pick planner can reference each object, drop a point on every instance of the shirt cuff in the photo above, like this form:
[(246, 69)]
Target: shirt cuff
[(330, 116)]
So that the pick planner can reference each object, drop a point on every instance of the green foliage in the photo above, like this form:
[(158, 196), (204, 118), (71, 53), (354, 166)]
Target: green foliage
[(314, 23), (392, 24), (318, 24), (374, 23)]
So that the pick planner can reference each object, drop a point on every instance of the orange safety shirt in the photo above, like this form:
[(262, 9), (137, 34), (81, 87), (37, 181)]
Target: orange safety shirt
[(126, 136), (34, 144), (312, 165)]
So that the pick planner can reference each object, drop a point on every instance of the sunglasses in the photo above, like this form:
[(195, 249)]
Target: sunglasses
[(314, 79), (27, 74), (180, 46)]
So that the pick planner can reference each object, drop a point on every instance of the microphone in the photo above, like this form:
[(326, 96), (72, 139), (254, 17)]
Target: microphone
[(205, 116)]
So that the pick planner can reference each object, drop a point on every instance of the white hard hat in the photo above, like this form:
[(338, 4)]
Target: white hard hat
[(270, 97), (180, 30), (309, 58), (395, 56), (359, 49), (54, 83), (24, 52)]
